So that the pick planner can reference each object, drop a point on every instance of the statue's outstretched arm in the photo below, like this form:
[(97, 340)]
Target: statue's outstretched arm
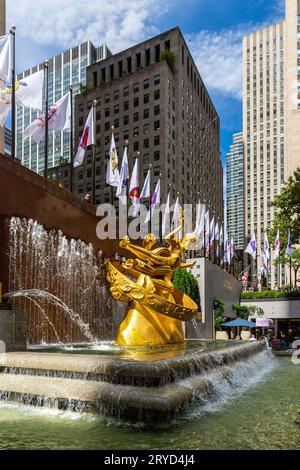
[(172, 234), (188, 265), (143, 253)]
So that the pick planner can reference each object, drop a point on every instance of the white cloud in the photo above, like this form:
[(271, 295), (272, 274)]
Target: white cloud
[(65, 23), (219, 59)]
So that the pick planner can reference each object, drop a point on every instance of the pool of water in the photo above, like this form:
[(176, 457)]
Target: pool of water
[(256, 411)]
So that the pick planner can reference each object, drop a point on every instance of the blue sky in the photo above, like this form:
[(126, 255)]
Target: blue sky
[(213, 30)]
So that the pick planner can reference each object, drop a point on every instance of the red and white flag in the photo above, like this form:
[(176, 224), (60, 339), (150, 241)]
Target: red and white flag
[(87, 138), (134, 190), (277, 246), (59, 119)]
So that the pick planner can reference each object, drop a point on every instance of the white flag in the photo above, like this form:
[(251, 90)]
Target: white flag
[(155, 201), (124, 177), (5, 59), (176, 215), (59, 119), (266, 247), (29, 93), (87, 138), (277, 246), (199, 220), (146, 188), (252, 247), (166, 219), (134, 190), (289, 249), (212, 231), (112, 174)]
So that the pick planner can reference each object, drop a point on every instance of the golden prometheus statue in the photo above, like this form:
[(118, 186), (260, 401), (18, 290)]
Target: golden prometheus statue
[(156, 309)]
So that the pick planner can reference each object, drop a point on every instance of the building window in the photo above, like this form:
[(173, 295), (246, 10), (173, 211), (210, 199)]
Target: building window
[(98, 129), (146, 113), (80, 122), (126, 105), (126, 91), (156, 110), (136, 117), (116, 109), (116, 123), (136, 132), (146, 84), (148, 57), (126, 134), (136, 88), (156, 170), (107, 126), (126, 120), (138, 60), (157, 53), (107, 112), (129, 65), (146, 143), (157, 94), (136, 102), (156, 155), (135, 146), (146, 128), (98, 115), (146, 159), (107, 98), (146, 99), (156, 125), (156, 140), (157, 80)]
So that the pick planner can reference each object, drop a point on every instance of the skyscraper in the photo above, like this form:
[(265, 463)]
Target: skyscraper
[(271, 97), (235, 191), (65, 69), (155, 98)]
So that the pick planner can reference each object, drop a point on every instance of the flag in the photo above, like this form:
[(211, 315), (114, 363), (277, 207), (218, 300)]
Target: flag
[(263, 263), (217, 233), (146, 188), (199, 230), (212, 231), (87, 138), (124, 177), (155, 201), (176, 214), (59, 119), (113, 174), (5, 59), (226, 250), (252, 247), (206, 232), (289, 250), (29, 93), (277, 246), (221, 236), (166, 219), (134, 190), (266, 247)]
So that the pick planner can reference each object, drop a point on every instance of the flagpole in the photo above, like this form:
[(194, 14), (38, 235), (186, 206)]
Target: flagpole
[(160, 218), (94, 152), (151, 195), (46, 71), (13, 92), (71, 142)]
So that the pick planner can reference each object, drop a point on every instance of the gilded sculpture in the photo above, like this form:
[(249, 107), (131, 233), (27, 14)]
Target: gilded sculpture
[(156, 310)]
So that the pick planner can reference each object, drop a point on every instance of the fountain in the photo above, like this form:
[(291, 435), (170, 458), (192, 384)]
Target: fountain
[(151, 375)]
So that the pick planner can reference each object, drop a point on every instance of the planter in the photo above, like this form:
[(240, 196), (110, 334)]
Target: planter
[(246, 335), (222, 335)]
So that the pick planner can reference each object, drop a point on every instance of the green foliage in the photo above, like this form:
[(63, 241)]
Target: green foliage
[(270, 294), (287, 211), (170, 58), (244, 312), (219, 310), (185, 282)]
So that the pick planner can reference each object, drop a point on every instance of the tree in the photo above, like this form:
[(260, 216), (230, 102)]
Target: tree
[(219, 310), (287, 210), (187, 284), (244, 312), (293, 261)]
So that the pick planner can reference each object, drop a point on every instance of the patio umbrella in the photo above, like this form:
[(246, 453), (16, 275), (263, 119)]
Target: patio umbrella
[(239, 322)]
